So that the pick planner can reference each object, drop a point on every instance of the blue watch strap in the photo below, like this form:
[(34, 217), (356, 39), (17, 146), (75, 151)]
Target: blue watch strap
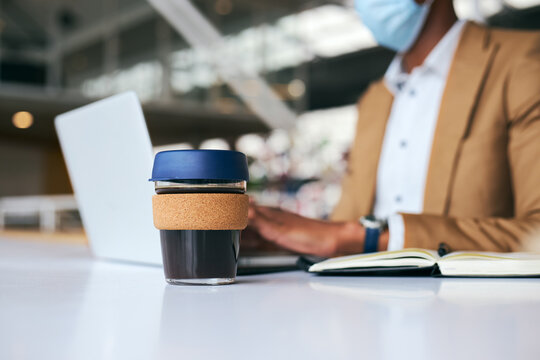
[(371, 242)]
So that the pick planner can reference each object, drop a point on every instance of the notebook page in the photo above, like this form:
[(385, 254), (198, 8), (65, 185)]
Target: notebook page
[(490, 264), (463, 255), (405, 257)]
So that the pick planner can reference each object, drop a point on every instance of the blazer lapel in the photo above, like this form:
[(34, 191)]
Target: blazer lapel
[(372, 119), (464, 85)]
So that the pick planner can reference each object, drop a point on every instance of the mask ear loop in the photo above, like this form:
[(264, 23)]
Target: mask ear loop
[(425, 8), (427, 3)]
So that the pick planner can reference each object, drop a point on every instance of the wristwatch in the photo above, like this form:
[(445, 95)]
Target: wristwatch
[(374, 228)]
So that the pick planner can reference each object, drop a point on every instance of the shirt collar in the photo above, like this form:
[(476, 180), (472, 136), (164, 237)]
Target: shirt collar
[(438, 61)]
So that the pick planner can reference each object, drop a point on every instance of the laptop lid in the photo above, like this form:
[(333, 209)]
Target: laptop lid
[(109, 157)]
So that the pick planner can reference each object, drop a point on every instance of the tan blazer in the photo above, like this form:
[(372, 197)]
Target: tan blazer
[(483, 183)]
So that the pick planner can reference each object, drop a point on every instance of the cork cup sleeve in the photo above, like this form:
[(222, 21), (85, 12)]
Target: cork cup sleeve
[(200, 211)]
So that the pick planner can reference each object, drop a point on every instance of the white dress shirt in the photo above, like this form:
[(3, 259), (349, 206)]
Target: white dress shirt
[(406, 149)]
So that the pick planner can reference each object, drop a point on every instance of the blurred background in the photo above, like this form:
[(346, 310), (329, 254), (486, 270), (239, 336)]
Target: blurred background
[(56, 55)]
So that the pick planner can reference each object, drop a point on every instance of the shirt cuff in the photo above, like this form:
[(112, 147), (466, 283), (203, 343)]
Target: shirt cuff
[(396, 227)]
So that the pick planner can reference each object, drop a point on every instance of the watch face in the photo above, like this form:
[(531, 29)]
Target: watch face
[(372, 222), (370, 218)]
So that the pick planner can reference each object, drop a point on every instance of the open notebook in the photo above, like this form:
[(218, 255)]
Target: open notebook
[(427, 262)]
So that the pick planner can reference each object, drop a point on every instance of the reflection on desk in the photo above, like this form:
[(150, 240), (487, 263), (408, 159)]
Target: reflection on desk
[(56, 302)]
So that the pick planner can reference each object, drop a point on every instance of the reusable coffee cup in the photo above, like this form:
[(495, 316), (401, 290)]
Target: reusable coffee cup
[(200, 208)]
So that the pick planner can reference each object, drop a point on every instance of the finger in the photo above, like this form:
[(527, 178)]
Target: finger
[(267, 227), (258, 211), (252, 209), (257, 216), (251, 212), (271, 209), (277, 215)]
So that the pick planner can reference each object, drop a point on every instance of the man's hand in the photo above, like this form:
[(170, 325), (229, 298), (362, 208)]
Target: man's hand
[(308, 236)]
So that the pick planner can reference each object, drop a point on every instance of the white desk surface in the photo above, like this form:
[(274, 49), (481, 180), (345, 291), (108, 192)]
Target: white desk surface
[(56, 302)]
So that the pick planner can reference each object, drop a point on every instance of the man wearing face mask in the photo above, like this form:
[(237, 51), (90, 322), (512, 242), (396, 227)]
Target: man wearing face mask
[(447, 149)]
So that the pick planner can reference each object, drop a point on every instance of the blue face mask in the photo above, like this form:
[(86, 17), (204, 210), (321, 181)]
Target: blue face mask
[(395, 24)]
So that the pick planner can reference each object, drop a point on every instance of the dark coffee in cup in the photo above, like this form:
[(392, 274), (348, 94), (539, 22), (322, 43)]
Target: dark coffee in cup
[(186, 255)]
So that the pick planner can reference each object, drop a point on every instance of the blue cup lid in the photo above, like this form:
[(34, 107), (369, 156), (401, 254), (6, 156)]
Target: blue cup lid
[(200, 165)]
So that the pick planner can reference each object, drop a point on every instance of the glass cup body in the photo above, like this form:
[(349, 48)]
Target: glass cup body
[(207, 257)]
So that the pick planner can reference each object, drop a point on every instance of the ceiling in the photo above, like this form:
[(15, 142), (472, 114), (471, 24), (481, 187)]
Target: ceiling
[(76, 33)]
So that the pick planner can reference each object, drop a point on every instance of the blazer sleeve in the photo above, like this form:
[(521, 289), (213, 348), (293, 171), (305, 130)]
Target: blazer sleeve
[(522, 232), (346, 208)]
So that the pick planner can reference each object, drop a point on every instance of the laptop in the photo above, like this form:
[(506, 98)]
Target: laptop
[(109, 158)]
